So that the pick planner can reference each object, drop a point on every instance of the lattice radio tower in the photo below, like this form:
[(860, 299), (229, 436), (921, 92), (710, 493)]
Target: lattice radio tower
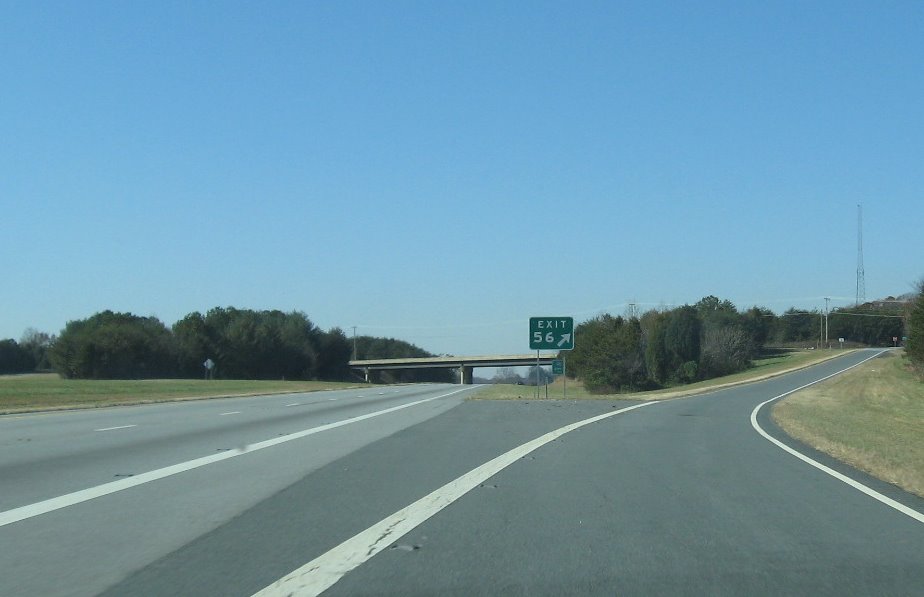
[(861, 275)]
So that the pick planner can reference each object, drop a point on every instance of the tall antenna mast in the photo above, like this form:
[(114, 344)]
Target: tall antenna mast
[(861, 275)]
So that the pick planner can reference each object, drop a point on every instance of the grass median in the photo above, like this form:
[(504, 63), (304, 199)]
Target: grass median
[(24, 393), (763, 368), (871, 417)]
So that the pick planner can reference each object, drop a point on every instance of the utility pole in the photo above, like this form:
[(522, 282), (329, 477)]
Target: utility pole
[(821, 329), (354, 342), (827, 300), (632, 310)]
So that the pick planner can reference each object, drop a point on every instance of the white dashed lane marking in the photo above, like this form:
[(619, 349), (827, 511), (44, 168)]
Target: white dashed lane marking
[(83, 495)]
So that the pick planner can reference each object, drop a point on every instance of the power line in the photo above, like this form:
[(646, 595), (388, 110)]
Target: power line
[(832, 314)]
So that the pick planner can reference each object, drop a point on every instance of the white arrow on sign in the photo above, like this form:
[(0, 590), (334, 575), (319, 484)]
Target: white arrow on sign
[(565, 339)]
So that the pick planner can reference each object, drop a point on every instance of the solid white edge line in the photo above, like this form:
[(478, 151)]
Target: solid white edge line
[(839, 476), (83, 495), (114, 428), (324, 571)]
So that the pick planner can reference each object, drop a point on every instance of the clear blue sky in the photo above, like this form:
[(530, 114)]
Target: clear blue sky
[(439, 172)]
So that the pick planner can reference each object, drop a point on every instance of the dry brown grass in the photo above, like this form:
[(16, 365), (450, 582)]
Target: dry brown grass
[(762, 369), (871, 417)]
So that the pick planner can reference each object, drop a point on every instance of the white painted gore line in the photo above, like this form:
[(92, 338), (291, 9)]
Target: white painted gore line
[(114, 428), (77, 497), (322, 572), (840, 477)]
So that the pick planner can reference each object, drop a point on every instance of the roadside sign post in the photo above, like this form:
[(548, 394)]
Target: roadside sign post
[(551, 333), (841, 340), (558, 368), (209, 365)]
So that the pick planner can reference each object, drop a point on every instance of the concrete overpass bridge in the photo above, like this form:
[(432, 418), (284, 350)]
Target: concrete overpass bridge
[(465, 365)]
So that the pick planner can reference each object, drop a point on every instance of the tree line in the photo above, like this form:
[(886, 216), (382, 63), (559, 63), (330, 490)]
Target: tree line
[(242, 344), (370, 347), (915, 317), (660, 348), (28, 355), (871, 324), (709, 339), (534, 376)]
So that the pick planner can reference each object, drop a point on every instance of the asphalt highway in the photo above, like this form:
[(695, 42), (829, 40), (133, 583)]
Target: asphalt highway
[(448, 497), (88, 543)]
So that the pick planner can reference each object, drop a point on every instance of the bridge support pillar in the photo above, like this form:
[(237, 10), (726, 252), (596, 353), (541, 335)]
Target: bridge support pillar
[(366, 372), (465, 375)]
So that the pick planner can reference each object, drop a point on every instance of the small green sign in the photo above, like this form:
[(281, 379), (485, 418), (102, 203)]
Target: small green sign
[(558, 367), (551, 333)]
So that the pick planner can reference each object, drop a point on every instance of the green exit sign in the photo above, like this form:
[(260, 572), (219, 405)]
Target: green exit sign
[(551, 333), (558, 367)]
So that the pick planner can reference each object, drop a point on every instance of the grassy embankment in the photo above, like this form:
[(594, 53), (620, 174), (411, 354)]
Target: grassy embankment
[(763, 368), (871, 417), (21, 393)]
